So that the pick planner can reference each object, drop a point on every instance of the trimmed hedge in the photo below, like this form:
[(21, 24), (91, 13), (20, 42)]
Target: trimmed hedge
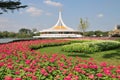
[(89, 47), (41, 45), (38, 46)]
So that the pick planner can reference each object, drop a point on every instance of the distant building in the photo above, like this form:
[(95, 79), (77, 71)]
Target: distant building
[(59, 30), (117, 27), (115, 32)]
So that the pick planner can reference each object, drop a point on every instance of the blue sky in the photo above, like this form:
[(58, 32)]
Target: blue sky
[(41, 14)]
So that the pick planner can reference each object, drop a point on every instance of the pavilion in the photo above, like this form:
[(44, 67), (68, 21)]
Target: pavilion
[(59, 30)]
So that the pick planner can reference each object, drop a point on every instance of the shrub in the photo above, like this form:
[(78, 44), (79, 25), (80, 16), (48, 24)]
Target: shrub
[(89, 47), (47, 44)]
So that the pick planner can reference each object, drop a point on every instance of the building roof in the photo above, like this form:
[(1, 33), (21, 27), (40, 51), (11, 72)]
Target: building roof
[(59, 26)]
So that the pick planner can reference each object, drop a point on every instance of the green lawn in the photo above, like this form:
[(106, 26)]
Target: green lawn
[(111, 56)]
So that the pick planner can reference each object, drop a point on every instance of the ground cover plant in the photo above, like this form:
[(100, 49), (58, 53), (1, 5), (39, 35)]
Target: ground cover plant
[(19, 62), (92, 46)]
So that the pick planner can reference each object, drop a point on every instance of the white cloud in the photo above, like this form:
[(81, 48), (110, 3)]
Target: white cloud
[(53, 3), (34, 11), (100, 15)]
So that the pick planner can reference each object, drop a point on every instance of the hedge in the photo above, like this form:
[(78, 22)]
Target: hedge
[(89, 47)]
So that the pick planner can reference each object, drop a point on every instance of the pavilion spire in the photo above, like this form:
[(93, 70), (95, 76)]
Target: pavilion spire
[(60, 24)]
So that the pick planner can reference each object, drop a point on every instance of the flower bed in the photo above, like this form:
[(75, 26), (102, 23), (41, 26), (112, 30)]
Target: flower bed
[(90, 47), (35, 66), (19, 62), (26, 46)]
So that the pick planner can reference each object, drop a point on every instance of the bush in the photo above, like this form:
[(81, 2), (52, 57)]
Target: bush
[(37, 46), (89, 47)]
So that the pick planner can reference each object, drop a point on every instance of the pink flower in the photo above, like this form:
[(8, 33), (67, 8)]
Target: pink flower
[(93, 66), (113, 76), (34, 78), (8, 78), (27, 61), (99, 75), (68, 78), (118, 76), (18, 79), (76, 78), (107, 71), (91, 76), (17, 72), (1, 64), (103, 64), (44, 72), (118, 71), (10, 66), (52, 60), (85, 66)]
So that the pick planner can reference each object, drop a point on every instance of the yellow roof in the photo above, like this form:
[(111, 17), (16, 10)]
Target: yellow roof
[(60, 28)]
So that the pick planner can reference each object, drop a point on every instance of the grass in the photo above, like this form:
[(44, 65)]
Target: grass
[(111, 56)]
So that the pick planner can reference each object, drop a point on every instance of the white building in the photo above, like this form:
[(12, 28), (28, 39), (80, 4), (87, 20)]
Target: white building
[(59, 30)]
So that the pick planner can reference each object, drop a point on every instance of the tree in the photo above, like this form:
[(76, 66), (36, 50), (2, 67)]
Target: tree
[(34, 30), (6, 5), (89, 33), (83, 25), (25, 31)]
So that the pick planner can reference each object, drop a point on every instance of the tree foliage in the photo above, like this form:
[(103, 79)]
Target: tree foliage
[(97, 33), (23, 33), (83, 25), (6, 5)]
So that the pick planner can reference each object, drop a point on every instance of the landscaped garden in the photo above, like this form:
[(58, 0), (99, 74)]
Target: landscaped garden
[(55, 59)]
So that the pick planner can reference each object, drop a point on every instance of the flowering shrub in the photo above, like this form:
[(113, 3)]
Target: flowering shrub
[(19, 62), (34, 66), (40, 45), (25, 46), (89, 47)]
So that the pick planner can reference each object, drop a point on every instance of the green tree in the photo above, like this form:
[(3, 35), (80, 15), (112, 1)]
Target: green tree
[(1, 35), (6, 5), (12, 35), (25, 31), (89, 33), (83, 25), (5, 34)]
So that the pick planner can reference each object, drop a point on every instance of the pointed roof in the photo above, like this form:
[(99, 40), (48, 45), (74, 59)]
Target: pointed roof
[(59, 26)]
